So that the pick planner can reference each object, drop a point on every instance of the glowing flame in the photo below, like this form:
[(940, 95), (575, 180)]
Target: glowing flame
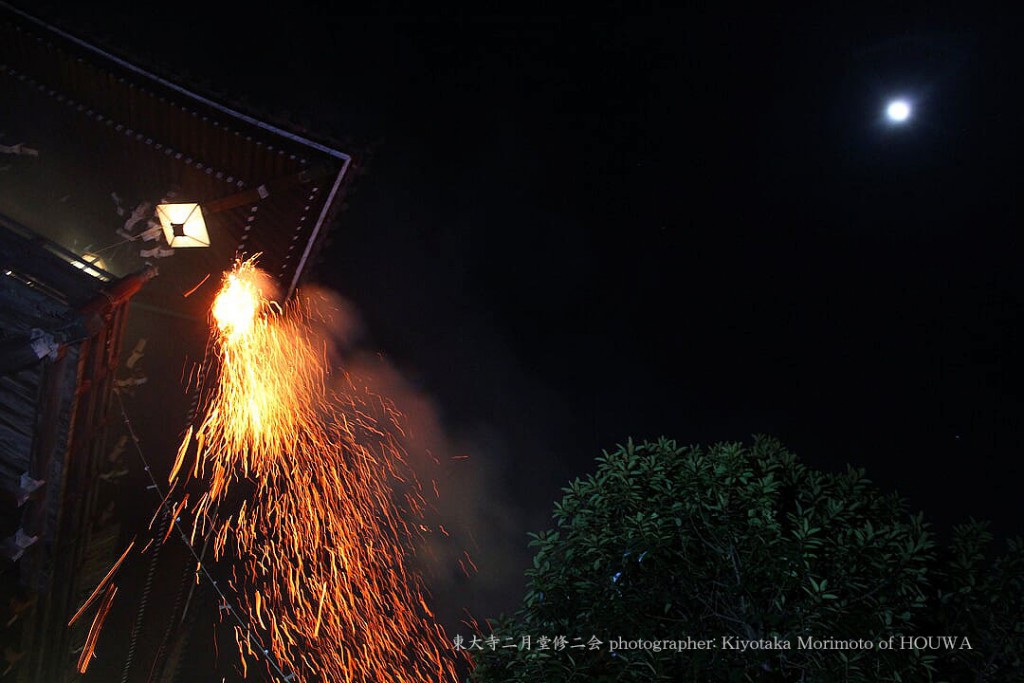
[(239, 302), (326, 519)]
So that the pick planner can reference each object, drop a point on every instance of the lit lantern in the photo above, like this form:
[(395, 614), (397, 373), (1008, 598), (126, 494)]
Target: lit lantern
[(183, 225)]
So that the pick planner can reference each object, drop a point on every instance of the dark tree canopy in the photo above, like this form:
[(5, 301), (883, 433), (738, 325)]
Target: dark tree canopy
[(740, 546)]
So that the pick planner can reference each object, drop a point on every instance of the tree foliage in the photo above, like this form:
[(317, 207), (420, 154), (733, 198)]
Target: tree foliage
[(735, 544)]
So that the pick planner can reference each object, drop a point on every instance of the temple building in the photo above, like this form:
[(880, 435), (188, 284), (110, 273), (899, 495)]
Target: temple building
[(124, 196)]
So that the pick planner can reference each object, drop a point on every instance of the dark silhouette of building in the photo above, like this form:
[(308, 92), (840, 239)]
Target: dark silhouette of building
[(62, 323)]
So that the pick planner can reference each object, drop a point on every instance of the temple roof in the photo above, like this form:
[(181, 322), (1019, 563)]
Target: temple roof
[(91, 143)]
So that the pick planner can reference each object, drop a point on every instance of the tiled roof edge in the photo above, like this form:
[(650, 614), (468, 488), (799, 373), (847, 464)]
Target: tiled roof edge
[(135, 68)]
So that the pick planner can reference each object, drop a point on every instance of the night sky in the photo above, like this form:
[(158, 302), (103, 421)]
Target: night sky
[(635, 221)]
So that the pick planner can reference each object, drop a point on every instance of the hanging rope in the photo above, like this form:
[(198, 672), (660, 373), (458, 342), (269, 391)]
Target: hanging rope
[(185, 583), (147, 587), (226, 604)]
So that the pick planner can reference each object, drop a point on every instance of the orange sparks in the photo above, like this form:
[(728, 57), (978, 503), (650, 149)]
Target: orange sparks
[(174, 518), (330, 512), (94, 630), (193, 290), (181, 455), (101, 584), (320, 611)]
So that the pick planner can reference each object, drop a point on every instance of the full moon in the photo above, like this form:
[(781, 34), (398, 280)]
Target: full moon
[(898, 111)]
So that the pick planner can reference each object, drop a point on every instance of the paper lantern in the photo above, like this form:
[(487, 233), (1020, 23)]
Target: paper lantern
[(183, 225)]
